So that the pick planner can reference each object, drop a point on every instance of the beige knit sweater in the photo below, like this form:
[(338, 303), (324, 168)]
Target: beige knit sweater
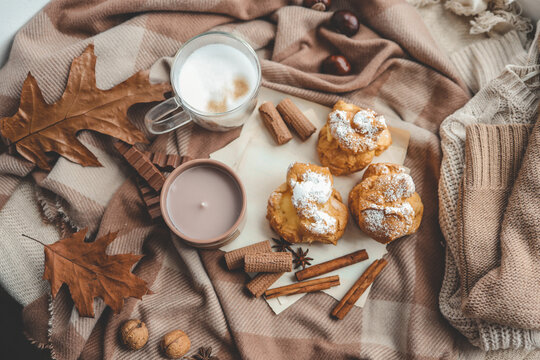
[(489, 211), (499, 258)]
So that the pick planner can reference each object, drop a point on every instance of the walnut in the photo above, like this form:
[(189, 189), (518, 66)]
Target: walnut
[(134, 334), (175, 344)]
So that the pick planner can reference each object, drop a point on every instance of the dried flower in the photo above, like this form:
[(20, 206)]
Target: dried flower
[(205, 353), (282, 245), (301, 258)]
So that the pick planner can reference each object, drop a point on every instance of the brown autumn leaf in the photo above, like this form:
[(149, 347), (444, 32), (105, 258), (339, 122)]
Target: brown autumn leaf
[(89, 272), (38, 127)]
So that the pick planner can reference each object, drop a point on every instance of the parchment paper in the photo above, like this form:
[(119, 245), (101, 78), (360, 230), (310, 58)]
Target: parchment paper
[(262, 166)]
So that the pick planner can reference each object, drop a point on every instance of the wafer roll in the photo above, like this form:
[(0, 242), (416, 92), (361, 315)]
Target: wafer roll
[(274, 262), (261, 282), (274, 123), (296, 119), (235, 258)]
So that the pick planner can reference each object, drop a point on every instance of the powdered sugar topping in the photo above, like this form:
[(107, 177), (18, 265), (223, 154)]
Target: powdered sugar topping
[(340, 128), (364, 123), (360, 134), (313, 187), (399, 186), (321, 222), (376, 219), (380, 120), (392, 187), (311, 190)]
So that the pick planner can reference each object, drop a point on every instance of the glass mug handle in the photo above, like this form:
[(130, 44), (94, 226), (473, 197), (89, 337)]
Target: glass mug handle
[(158, 122)]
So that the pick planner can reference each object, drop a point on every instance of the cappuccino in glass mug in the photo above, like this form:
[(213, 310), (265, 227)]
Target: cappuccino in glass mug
[(216, 78)]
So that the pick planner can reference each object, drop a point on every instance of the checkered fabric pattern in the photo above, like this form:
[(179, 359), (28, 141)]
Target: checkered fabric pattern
[(398, 70)]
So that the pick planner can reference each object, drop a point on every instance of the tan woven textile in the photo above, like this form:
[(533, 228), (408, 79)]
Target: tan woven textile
[(501, 277), (481, 226), (398, 70), (493, 155)]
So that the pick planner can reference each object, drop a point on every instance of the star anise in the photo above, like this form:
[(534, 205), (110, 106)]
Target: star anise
[(301, 258), (282, 245), (205, 353)]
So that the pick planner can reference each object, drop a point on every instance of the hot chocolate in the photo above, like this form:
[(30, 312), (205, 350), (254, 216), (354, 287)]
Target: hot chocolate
[(217, 78), (204, 202)]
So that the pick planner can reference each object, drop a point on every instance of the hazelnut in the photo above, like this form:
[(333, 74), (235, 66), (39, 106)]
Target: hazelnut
[(336, 65), (345, 22), (175, 344), (134, 334), (319, 5)]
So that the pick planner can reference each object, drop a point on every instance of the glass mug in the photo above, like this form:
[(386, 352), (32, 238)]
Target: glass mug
[(160, 119)]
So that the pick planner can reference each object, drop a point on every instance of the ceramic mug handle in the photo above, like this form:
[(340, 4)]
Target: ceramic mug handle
[(158, 121)]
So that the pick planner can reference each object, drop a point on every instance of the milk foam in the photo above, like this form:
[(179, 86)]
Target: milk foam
[(217, 78)]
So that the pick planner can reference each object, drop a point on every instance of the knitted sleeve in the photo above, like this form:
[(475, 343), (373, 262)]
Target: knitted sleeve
[(510, 98), (508, 292)]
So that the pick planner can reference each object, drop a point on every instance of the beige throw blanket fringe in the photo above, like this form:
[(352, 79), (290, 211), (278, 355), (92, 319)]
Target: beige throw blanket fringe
[(399, 71)]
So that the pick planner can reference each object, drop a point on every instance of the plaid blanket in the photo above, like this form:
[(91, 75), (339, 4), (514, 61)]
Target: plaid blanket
[(398, 71)]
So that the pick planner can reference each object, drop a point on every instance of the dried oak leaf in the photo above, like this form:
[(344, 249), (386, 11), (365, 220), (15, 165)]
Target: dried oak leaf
[(38, 127), (89, 272)]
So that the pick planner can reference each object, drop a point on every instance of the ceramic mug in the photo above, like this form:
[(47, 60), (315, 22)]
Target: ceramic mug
[(175, 112)]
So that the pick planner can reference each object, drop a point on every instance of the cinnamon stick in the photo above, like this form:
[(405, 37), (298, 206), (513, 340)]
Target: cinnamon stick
[(275, 262), (235, 258), (261, 282), (303, 287), (332, 265), (296, 119), (274, 123), (354, 293), (141, 164)]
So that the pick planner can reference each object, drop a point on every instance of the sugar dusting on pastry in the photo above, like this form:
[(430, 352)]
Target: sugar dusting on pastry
[(376, 219), (360, 134), (382, 169), (322, 223), (385, 203), (314, 187), (396, 186), (392, 188), (306, 208), (363, 121), (307, 192)]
